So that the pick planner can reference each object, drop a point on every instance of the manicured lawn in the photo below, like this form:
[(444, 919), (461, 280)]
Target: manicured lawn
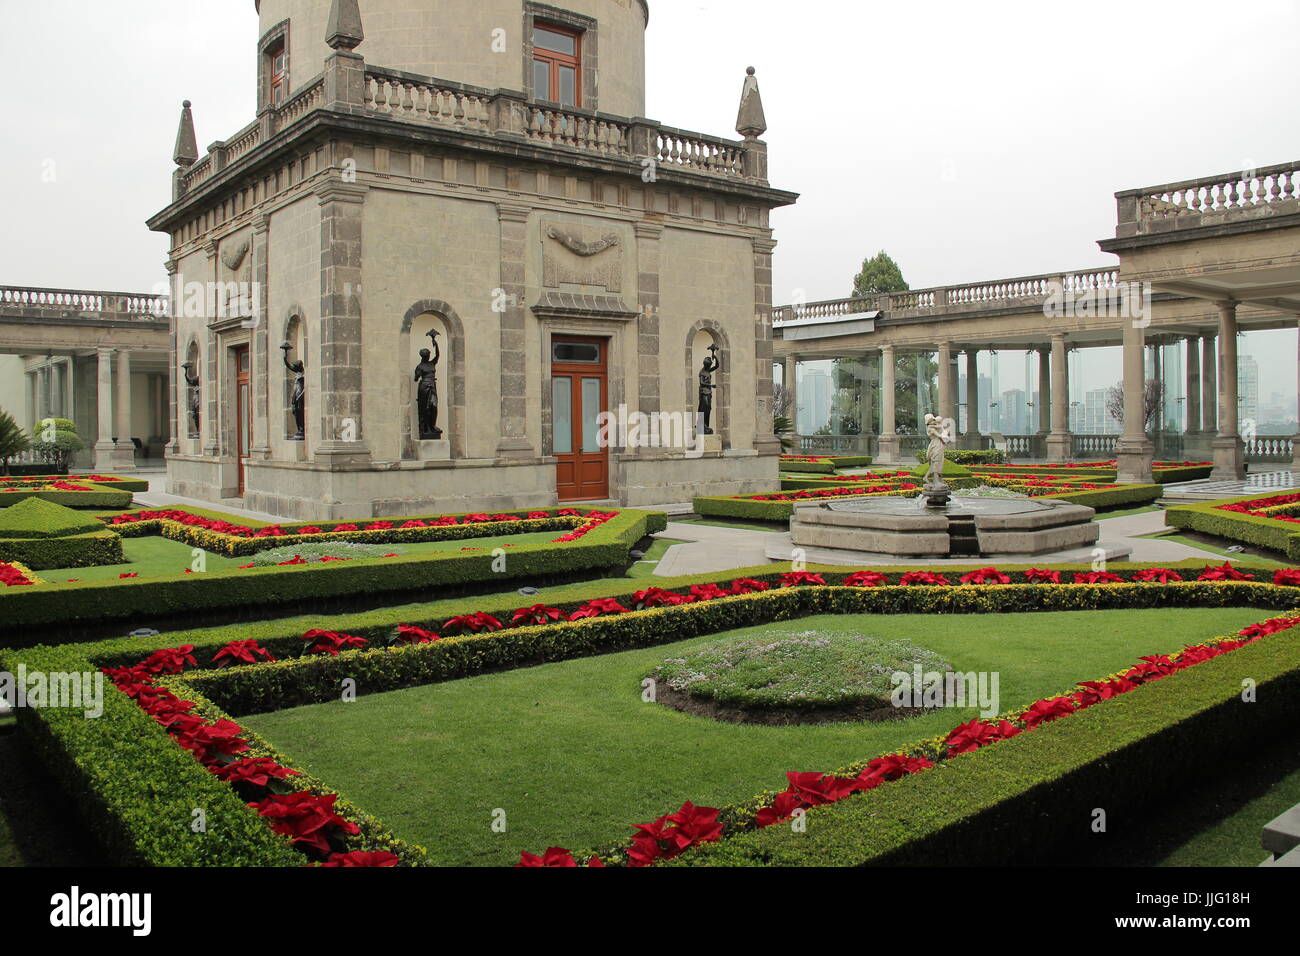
[(645, 568), (155, 555), (574, 757)]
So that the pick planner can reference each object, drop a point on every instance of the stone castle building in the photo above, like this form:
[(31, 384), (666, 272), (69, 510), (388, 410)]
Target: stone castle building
[(481, 169)]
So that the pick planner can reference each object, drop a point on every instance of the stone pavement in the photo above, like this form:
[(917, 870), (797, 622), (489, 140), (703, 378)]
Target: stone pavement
[(156, 498), (1209, 489)]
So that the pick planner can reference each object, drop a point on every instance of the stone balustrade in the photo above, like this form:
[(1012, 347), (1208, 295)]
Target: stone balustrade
[(1269, 448), (428, 101), (993, 296), (119, 306), (1093, 446), (1273, 190)]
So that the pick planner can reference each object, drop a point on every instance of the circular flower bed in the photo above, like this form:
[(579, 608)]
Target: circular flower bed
[(789, 678), (319, 551)]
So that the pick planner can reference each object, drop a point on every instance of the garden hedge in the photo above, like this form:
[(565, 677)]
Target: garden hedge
[(1031, 799), (750, 509), (80, 610), (1209, 518), (100, 498), (95, 549), (137, 788), (827, 465)]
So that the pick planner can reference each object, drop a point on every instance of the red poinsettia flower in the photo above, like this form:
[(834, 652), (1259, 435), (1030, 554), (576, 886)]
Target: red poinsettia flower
[(1157, 575), (985, 576), (1265, 628), (976, 734), (331, 642), (1045, 711), (782, 809), (798, 578), (749, 586), (893, 767), (597, 608), (555, 856), (259, 771), (708, 592), (410, 634), (1097, 577), (473, 623), (815, 789), (133, 574), (865, 579), (171, 660), (1043, 576), (211, 741), (1225, 572), (306, 818), (537, 614), (1287, 577), (362, 858), (241, 652), (923, 577), (654, 597)]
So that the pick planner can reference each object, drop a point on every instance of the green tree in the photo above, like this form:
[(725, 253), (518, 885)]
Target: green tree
[(56, 442), (13, 440), (880, 274)]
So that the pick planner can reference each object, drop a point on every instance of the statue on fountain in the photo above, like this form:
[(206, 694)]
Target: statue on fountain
[(937, 493)]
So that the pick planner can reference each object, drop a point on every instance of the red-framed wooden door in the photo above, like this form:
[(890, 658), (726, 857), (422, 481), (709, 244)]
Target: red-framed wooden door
[(243, 409), (579, 393)]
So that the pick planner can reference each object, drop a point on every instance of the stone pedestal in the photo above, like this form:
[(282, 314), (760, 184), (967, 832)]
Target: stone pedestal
[(297, 451), (1059, 447), (434, 450), (1134, 462), (889, 450), (712, 444), (104, 456), (1229, 460)]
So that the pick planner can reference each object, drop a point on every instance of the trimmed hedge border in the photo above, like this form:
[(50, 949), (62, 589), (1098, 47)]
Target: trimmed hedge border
[(30, 612), (139, 787), (825, 465), (1209, 518), (1003, 805), (101, 499), (95, 549)]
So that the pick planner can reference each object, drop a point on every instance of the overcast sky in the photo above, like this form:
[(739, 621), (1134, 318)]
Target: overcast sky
[(971, 141)]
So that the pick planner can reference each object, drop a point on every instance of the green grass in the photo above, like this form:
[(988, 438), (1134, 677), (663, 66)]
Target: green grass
[(574, 757), (156, 556), (645, 568), (1127, 512)]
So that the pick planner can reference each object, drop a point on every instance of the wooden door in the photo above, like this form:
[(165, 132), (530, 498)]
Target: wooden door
[(243, 410), (579, 393)]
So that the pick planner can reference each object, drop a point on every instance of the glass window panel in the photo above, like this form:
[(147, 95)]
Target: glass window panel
[(555, 41), (562, 405), (568, 87), (542, 80), (590, 415), (243, 360), (576, 352)]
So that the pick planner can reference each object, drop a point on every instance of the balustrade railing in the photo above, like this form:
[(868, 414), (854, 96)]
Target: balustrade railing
[(1231, 192), (986, 296), (419, 100), (699, 153), (1263, 448), (1094, 446), (591, 134), (118, 305), (837, 444)]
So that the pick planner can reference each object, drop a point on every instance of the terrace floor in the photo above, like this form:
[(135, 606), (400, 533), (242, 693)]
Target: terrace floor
[(1210, 489)]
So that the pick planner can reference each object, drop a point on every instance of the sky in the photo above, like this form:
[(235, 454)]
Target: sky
[(971, 141)]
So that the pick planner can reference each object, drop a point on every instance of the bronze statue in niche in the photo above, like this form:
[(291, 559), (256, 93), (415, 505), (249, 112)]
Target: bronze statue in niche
[(426, 374)]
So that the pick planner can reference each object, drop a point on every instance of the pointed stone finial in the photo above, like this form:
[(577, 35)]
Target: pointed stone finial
[(750, 122), (186, 152), (343, 31)]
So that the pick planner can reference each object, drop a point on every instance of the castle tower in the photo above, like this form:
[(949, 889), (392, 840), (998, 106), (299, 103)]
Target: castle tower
[(481, 170)]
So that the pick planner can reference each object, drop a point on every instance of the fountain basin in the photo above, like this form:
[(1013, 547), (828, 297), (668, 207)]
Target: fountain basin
[(906, 528)]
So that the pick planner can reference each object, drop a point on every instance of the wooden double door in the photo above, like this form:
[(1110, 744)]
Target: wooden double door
[(579, 394), (243, 410)]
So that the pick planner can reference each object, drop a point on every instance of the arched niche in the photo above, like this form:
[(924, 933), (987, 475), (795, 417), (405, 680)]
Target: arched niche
[(420, 318), (702, 335), (295, 334)]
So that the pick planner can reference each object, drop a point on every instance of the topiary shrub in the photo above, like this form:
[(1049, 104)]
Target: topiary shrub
[(56, 441), (37, 518)]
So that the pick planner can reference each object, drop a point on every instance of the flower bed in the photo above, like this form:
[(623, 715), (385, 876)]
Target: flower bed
[(1271, 521), (16, 575), (116, 482), (73, 492), (1165, 472), (671, 835), (591, 541), (140, 786)]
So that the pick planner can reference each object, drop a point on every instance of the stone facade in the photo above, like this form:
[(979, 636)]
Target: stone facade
[(379, 203)]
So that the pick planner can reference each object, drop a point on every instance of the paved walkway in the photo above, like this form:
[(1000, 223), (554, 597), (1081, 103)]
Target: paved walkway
[(1210, 489), (158, 499)]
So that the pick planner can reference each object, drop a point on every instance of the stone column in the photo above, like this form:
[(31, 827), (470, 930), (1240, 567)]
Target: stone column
[(888, 445), (1133, 450), (1059, 442), (104, 447), (175, 409), (338, 402), (866, 407), (1044, 391), (125, 456), (1229, 456), (973, 438), (1193, 386), (947, 401), (1209, 385), (259, 353), (789, 381), (649, 236)]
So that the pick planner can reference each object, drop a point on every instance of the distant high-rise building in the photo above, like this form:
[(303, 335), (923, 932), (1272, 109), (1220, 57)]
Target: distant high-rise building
[(1015, 412), (1248, 389)]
